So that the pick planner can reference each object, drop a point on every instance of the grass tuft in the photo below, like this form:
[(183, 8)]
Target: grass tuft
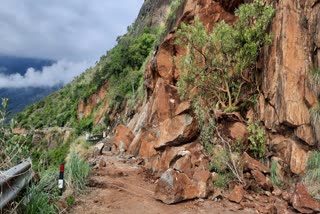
[(312, 176), (78, 172)]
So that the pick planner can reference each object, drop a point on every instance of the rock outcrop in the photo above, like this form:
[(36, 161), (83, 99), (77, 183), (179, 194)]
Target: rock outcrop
[(165, 131), (287, 96)]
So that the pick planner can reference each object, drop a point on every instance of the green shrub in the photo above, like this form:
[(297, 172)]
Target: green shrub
[(219, 67), (315, 80), (257, 138), (77, 172), (222, 180), (57, 155), (218, 161)]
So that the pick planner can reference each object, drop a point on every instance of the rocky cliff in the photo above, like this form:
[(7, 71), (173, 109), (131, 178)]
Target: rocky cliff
[(165, 131)]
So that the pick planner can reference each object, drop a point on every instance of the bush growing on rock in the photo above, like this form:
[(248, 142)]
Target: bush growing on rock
[(219, 69)]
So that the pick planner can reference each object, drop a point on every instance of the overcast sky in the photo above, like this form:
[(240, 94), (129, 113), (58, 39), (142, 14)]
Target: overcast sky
[(70, 31)]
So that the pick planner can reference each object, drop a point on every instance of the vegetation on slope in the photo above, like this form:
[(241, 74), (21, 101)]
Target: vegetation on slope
[(220, 71)]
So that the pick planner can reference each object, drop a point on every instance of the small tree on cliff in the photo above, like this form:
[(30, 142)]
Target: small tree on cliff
[(219, 67)]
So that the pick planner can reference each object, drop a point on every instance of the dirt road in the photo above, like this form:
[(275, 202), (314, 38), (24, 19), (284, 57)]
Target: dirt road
[(124, 187)]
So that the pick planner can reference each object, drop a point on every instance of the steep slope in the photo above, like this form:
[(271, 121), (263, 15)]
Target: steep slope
[(81, 98), (165, 130), (259, 141)]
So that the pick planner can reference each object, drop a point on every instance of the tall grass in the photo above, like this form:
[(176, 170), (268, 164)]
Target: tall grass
[(42, 196), (77, 172), (274, 173), (312, 175)]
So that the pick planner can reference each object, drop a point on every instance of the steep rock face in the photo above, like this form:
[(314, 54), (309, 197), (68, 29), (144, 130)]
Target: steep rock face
[(86, 106), (283, 106), (287, 95), (165, 129)]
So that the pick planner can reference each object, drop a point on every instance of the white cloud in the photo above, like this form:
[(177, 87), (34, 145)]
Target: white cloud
[(63, 29), (60, 72)]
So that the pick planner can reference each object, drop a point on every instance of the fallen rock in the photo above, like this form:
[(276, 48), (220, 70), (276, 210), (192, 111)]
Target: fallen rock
[(252, 164), (135, 145), (174, 187), (102, 163), (237, 131), (123, 138), (236, 195), (183, 107), (291, 152), (204, 181), (276, 191), (169, 157), (298, 159), (97, 149), (302, 201), (184, 165), (146, 149), (177, 131), (262, 180)]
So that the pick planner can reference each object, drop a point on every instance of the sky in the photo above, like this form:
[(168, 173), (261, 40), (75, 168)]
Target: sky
[(73, 32)]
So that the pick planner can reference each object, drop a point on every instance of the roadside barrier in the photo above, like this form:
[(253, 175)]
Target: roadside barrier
[(13, 181)]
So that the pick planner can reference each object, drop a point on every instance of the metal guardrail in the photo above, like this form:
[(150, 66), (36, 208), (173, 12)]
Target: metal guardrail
[(13, 181)]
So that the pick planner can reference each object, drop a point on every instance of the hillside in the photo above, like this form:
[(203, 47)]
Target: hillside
[(217, 98)]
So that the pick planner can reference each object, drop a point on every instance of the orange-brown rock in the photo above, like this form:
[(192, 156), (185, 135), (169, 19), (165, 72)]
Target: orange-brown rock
[(147, 146), (165, 61), (184, 164), (86, 106), (174, 187), (306, 133), (204, 181), (298, 160), (291, 152), (262, 180), (250, 163), (287, 96), (163, 101), (169, 157), (237, 131), (135, 144), (123, 138), (236, 195), (183, 107), (303, 202), (177, 130)]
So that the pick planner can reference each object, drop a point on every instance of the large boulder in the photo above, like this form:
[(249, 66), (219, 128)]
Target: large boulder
[(147, 146), (123, 138), (237, 194), (292, 153), (298, 160), (174, 187), (303, 202), (250, 164), (177, 131)]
